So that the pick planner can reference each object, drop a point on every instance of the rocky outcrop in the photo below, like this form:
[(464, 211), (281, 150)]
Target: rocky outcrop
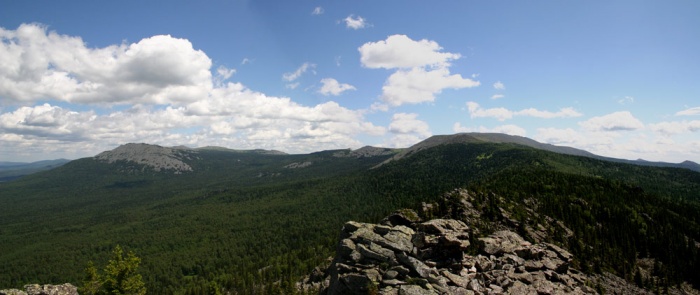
[(156, 157), (36, 289), (365, 152), (431, 258), (298, 165)]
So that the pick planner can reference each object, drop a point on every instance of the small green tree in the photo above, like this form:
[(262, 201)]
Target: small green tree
[(120, 276)]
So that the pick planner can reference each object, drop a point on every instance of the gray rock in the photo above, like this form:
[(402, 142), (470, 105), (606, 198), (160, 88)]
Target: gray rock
[(375, 252), (391, 274), (157, 157), (520, 288), (459, 291), (415, 290), (65, 289), (416, 265), (455, 279), (397, 241), (404, 217), (345, 248), (12, 292), (561, 253), (502, 242)]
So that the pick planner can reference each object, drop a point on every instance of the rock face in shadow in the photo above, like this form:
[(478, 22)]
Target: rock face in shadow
[(36, 289), (431, 258)]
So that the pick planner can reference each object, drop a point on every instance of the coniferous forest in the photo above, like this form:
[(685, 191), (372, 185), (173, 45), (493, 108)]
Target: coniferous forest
[(245, 222)]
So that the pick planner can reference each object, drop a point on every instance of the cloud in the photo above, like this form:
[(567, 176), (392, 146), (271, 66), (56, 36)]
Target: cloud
[(231, 116), (558, 136), (400, 51), (171, 95), (507, 129), (502, 114), (317, 11), (222, 74), (689, 112), (675, 127), (332, 87), (298, 72), (499, 86), (355, 23), (40, 65), (421, 69), (626, 100), (419, 85), (406, 123), (407, 130), (497, 96), (618, 121)]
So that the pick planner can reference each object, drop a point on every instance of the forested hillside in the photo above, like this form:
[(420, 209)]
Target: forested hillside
[(253, 222)]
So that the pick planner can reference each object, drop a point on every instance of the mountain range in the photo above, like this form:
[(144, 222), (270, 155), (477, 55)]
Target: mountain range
[(253, 221)]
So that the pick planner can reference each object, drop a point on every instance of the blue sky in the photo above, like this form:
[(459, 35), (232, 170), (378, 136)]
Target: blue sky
[(617, 78)]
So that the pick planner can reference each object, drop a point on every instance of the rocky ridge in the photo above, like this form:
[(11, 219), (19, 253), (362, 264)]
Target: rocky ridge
[(36, 289), (403, 257), (156, 157)]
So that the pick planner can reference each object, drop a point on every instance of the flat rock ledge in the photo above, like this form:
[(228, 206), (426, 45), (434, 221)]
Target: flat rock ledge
[(431, 258), (36, 289)]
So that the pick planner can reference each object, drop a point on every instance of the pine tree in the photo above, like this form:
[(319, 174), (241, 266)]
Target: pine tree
[(120, 276)]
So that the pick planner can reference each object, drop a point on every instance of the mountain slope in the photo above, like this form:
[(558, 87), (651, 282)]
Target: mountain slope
[(13, 170), (243, 221), (466, 138)]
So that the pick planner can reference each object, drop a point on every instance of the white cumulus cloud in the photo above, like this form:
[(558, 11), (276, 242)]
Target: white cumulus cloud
[(675, 127), (400, 51), (407, 130), (38, 65), (420, 85), (499, 85), (422, 70), (617, 121), (168, 96), (355, 23), (502, 114), (333, 87)]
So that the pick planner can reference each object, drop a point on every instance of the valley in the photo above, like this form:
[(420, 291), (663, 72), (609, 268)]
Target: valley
[(257, 221)]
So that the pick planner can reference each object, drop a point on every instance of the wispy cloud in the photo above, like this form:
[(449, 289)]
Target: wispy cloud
[(507, 129), (333, 87), (355, 23), (626, 100), (298, 72), (502, 114), (499, 85), (318, 11), (689, 112)]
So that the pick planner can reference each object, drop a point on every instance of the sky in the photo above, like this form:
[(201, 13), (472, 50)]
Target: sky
[(616, 78)]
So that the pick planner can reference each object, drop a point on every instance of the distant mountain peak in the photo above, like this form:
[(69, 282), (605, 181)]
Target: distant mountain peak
[(157, 157), (474, 137), (466, 138)]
